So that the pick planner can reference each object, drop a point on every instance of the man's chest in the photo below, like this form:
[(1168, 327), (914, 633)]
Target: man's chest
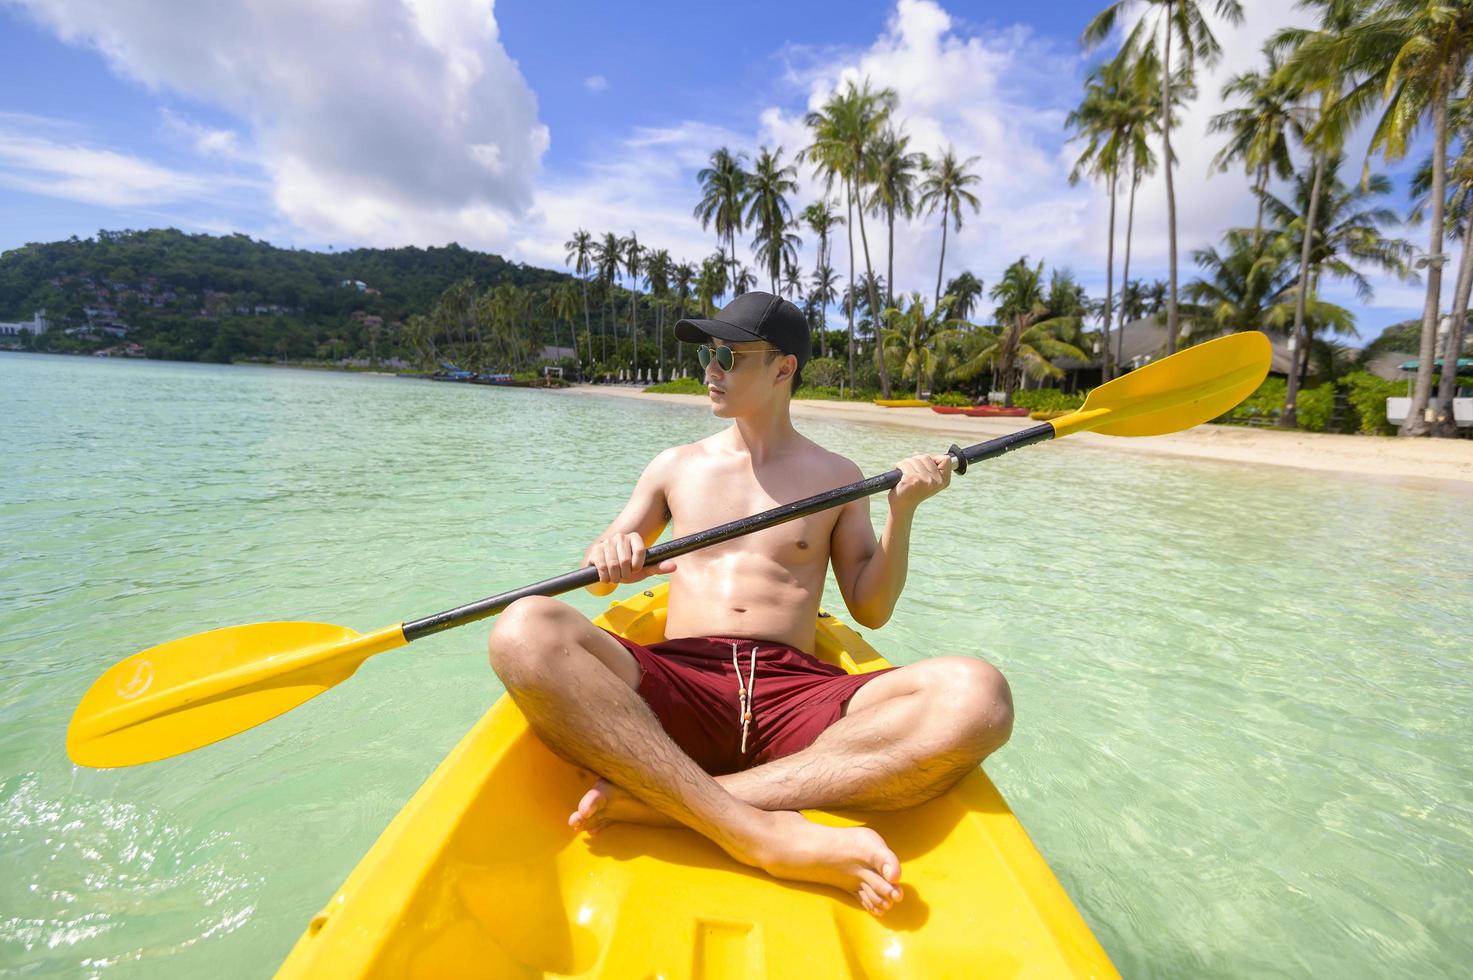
[(710, 495)]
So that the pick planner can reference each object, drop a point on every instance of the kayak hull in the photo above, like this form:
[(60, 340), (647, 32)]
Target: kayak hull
[(902, 403), (479, 875)]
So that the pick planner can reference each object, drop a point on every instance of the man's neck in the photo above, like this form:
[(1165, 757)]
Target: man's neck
[(765, 434)]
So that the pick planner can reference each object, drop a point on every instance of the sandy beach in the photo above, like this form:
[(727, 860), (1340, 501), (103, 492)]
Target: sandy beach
[(1445, 463)]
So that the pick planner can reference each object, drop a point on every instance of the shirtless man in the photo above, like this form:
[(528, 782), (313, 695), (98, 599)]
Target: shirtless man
[(731, 726)]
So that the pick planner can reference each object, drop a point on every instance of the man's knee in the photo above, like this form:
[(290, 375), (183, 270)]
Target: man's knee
[(525, 634), (977, 699)]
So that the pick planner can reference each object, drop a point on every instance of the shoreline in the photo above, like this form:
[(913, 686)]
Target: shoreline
[(1443, 464)]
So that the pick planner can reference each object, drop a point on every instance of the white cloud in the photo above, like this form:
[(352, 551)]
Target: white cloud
[(97, 176), (596, 83), (382, 118)]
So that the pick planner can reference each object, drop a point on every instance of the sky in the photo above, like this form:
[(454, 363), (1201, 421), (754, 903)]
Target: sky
[(505, 127)]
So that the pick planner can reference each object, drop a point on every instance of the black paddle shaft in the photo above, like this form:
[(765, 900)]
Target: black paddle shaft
[(587, 575)]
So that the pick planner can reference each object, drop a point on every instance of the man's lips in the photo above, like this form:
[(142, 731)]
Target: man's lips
[(713, 389)]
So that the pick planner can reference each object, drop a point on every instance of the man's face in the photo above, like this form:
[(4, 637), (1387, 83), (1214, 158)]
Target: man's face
[(752, 382)]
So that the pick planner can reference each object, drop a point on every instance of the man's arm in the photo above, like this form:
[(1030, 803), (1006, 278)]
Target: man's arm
[(618, 553), (871, 573)]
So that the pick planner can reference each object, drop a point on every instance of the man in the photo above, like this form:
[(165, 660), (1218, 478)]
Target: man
[(731, 726)]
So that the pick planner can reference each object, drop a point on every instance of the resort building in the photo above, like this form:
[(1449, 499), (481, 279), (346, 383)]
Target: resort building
[(36, 325)]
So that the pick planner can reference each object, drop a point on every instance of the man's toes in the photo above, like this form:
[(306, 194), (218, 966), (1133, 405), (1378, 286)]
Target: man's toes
[(867, 899), (878, 887)]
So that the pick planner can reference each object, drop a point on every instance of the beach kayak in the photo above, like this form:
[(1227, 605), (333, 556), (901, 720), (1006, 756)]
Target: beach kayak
[(995, 411), (479, 875), (901, 403), (947, 409)]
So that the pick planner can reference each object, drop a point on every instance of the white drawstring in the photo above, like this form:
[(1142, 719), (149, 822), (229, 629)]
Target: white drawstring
[(745, 691)]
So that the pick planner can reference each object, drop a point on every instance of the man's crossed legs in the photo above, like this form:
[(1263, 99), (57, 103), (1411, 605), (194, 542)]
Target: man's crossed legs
[(907, 737)]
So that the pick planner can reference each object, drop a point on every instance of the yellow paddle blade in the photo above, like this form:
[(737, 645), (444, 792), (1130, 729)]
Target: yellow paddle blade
[(187, 693), (1188, 388)]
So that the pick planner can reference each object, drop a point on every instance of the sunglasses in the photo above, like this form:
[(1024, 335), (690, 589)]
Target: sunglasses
[(724, 355)]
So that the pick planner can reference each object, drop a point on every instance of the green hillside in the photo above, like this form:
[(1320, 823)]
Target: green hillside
[(207, 297)]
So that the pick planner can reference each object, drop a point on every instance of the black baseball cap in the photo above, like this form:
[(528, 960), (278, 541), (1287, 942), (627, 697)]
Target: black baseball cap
[(754, 316)]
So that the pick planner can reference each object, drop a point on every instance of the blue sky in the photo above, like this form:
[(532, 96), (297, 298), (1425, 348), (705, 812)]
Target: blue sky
[(391, 122)]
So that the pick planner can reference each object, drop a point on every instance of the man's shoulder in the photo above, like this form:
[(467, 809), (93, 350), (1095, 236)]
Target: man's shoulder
[(821, 460)]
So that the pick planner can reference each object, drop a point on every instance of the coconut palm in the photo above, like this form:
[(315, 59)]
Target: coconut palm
[(580, 257), (657, 271), (1249, 285), (683, 279), (723, 196), (1414, 55), (608, 258), (712, 284), (1187, 21), (1258, 132), (1459, 217), (945, 189), (634, 256), (821, 218), (1104, 120), (916, 338), (1348, 235), (743, 280), (824, 292), (964, 291), (1145, 95), (1025, 317), (894, 171), (792, 281), (768, 212), (844, 134)]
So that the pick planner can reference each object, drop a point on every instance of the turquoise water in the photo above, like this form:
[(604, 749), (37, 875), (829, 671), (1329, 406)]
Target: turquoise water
[(1243, 693)]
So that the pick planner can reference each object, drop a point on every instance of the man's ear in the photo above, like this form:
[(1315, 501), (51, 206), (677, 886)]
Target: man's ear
[(785, 373)]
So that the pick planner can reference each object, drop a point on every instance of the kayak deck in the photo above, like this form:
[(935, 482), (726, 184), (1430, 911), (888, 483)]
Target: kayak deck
[(479, 875)]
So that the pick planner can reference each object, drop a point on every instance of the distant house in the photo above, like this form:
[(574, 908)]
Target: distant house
[(37, 326), (550, 353), (357, 284)]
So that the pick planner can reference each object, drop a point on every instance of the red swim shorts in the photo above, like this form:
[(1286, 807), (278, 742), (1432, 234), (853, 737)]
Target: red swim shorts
[(691, 685)]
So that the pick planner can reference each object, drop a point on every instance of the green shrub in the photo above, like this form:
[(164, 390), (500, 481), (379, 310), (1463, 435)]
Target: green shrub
[(678, 386), (1314, 407), (1046, 400), (955, 399), (817, 392), (1367, 395), (825, 372), (1266, 402)]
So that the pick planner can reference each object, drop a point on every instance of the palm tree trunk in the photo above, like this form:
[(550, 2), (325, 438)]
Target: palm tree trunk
[(1446, 424), (890, 258), (634, 329), (940, 266), (1260, 186), (1416, 423), (849, 197), (1290, 420), (1135, 180), (587, 327), (874, 309), (1171, 321), (1109, 280)]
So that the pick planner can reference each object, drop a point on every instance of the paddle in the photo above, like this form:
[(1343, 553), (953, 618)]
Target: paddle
[(187, 693)]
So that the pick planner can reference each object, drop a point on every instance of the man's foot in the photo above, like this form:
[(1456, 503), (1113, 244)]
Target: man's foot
[(607, 803), (855, 860)]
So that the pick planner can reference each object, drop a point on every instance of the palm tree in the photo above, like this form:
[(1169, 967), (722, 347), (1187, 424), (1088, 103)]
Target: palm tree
[(1187, 20), (1415, 55), (768, 212), (844, 133), (1250, 286), (712, 284), (1104, 120), (894, 174), (723, 196), (1348, 230), (825, 292), (744, 280), (964, 291), (792, 281), (608, 257), (916, 338), (634, 265), (1258, 133), (684, 278), (1459, 212), (1024, 312), (657, 276), (821, 218), (580, 257), (1144, 95), (945, 189)]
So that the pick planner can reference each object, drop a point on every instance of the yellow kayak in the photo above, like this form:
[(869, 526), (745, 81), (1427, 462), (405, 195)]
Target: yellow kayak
[(902, 403), (479, 875)]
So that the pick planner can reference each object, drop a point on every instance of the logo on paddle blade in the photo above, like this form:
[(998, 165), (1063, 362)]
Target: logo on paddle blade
[(140, 680)]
